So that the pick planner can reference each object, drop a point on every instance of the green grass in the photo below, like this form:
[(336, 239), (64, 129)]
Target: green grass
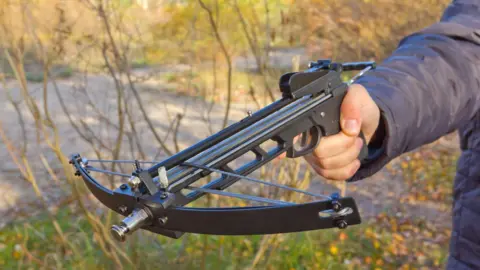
[(64, 72), (379, 244), (36, 77), (140, 63), (388, 241)]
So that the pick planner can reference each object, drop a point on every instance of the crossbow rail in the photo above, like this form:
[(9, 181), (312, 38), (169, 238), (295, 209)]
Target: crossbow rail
[(155, 198)]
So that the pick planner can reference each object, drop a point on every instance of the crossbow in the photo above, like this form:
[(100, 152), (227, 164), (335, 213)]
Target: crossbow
[(155, 198)]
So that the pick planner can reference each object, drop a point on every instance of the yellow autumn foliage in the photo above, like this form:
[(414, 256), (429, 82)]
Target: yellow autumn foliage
[(358, 30)]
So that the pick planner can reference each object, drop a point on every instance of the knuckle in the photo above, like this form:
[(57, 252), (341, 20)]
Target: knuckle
[(352, 170), (354, 154), (324, 163), (319, 152), (347, 174), (318, 171), (330, 175), (322, 172), (346, 144), (336, 177)]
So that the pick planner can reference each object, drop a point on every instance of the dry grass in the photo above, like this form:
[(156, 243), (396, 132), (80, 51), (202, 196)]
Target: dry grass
[(110, 39)]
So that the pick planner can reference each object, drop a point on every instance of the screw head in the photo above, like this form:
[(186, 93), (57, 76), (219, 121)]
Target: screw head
[(123, 209), (322, 114), (123, 186), (162, 220)]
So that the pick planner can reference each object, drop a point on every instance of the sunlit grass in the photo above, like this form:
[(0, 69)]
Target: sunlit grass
[(384, 243)]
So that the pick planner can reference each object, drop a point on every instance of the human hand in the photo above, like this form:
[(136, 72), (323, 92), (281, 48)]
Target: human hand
[(335, 157)]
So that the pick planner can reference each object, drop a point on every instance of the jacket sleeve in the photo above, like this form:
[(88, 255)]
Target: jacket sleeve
[(428, 87)]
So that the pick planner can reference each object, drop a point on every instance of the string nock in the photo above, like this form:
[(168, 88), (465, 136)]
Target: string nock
[(84, 162), (162, 177), (133, 222)]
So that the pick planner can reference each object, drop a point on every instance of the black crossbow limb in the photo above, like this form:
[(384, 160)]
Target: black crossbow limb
[(153, 199)]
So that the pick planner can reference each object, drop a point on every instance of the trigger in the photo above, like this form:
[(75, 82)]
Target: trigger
[(308, 143)]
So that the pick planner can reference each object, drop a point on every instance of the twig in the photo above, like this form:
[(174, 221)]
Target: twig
[(219, 39)]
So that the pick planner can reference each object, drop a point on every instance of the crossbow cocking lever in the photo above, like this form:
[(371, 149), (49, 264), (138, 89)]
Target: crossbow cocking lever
[(155, 197)]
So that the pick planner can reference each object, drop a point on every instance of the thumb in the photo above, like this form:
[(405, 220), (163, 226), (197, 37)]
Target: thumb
[(350, 111)]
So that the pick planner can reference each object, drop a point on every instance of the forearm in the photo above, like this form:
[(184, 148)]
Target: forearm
[(429, 86)]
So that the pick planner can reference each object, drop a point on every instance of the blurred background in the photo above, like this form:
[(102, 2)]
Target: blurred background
[(143, 79)]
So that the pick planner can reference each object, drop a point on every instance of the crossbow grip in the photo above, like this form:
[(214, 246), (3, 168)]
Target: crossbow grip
[(323, 120)]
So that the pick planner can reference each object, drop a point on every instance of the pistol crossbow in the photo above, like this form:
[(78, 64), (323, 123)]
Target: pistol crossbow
[(155, 198)]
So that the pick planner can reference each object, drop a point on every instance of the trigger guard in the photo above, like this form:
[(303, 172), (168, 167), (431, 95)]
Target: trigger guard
[(316, 136)]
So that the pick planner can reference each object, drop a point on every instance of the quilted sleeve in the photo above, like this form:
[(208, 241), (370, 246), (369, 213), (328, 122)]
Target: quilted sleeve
[(428, 87)]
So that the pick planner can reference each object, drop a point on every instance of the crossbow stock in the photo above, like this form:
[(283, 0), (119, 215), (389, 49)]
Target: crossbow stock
[(154, 198)]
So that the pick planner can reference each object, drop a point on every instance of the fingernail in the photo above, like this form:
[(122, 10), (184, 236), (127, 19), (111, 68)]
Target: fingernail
[(351, 125)]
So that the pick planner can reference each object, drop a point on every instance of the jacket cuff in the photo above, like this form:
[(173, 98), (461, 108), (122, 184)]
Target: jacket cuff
[(382, 153)]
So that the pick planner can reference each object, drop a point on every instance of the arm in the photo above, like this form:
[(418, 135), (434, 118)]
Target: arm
[(428, 87)]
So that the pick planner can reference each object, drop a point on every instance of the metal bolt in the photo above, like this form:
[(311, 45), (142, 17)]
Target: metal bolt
[(342, 224), (249, 113), (133, 182), (336, 206), (123, 209), (123, 186), (322, 114)]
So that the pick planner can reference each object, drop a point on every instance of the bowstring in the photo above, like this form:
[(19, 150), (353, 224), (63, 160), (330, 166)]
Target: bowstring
[(218, 192)]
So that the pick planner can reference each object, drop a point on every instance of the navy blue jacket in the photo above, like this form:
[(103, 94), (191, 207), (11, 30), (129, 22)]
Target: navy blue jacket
[(428, 87)]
